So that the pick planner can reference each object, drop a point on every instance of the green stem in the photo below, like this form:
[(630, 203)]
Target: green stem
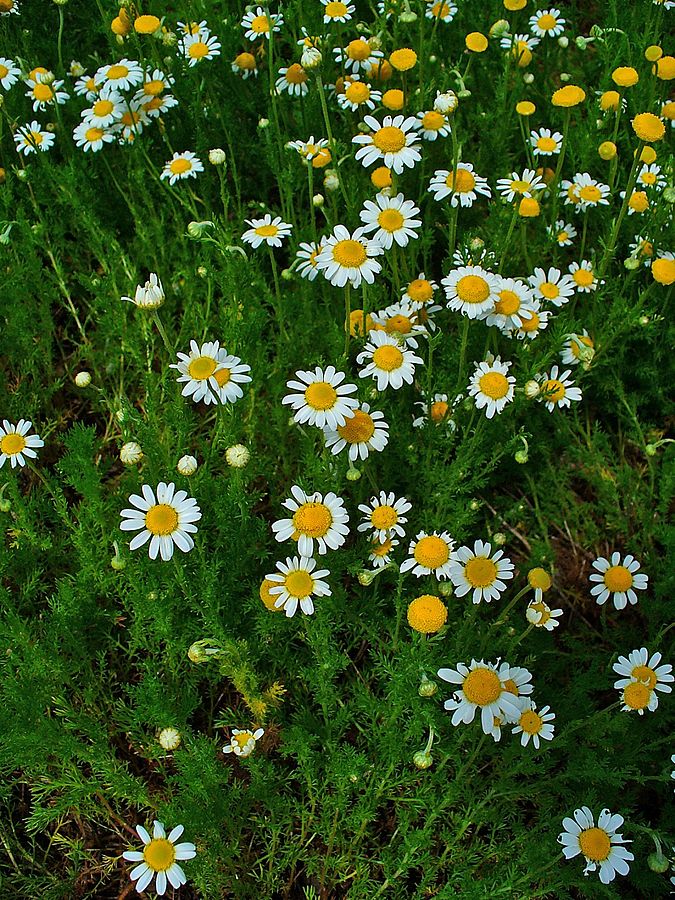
[(162, 332), (348, 316), (609, 252), (509, 233), (553, 187)]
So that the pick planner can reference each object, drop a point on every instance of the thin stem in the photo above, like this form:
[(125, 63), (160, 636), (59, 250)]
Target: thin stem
[(162, 332), (553, 187), (348, 317), (609, 252), (509, 233)]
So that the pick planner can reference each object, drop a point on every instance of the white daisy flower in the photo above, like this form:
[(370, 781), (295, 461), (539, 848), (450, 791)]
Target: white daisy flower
[(244, 64), (362, 432), (91, 137), (337, 11), (540, 614), (534, 726), (16, 444), (388, 361), (182, 165), (211, 374), (533, 322), (297, 582), (545, 142), (159, 858), (441, 10), (552, 286), (358, 56), (165, 521), (200, 46), (256, 24), (310, 149), (420, 292), (642, 248), (562, 232), (513, 298), (599, 844), (393, 142), (307, 254), (154, 106), (430, 554), (44, 94), (642, 675), (9, 73), (123, 75), (575, 348), (243, 741), (480, 688), (517, 186), (193, 27), (292, 80), (439, 410), (618, 577), (380, 551), (268, 230), (349, 257), (405, 322), (385, 515), (149, 295), (591, 192), (547, 23), (478, 572), (557, 390), (131, 122), (516, 680), (358, 94), (432, 125), (392, 219), (155, 82), (583, 276), (30, 138), (322, 398), (462, 186), (315, 519), (108, 107), (649, 176), (520, 46), (88, 86), (492, 387), (471, 290)]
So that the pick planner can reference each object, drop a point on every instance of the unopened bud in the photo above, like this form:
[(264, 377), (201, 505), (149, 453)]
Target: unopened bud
[(651, 449), (408, 17), (237, 456), (581, 42), (353, 474), (657, 862), (202, 651), (631, 263), (331, 182), (445, 588), (521, 456), (563, 41), (5, 505), (366, 578), (318, 200), (427, 687), (196, 230), (263, 123), (423, 759), (169, 738), (643, 320), (669, 195), (83, 379), (187, 465), (311, 58), (463, 94), (528, 78), (565, 76), (499, 538), (131, 453), (532, 389)]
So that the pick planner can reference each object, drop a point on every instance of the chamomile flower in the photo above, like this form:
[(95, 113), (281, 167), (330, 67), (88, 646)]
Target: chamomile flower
[(132, 121), (243, 741), (361, 432), (181, 166), (420, 292), (88, 86), (479, 572), (545, 142), (296, 583), (439, 410), (471, 290), (462, 185), (30, 138), (292, 80), (315, 520), (516, 680), (521, 47), (122, 75), (547, 23), (641, 671), (540, 614), (358, 56), (393, 142), (193, 27), (574, 348), (310, 149), (552, 286), (337, 11), (159, 858), (154, 106), (349, 257), (432, 124), (155, 82), (91, 137), (380, 551), (430, 554), (385, 515), (9, 73), (149, 295), (590, 192), (106, 109), (358, 95), (619, 578), (256, 24), (563, 233), (210, 374), (166, 521), (44, 94), (557, 390), (392, 219), (515, 186), (533, 322), (637, 696), (600, 844), (388, 361), (441, 10), (268, 230), (16, 444), (479, 688), (492, 387), (534, 726), (514, 298), (584, 278), (244, 64), (307, 254), (200, 46), (320, 398), (651, 177), (405, 321)]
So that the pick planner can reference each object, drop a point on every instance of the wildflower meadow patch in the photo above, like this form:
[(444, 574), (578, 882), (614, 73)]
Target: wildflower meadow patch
[(335, 463)]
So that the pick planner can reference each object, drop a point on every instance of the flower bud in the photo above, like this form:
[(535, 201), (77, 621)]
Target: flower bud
[(643, 320), (607, 150), (563, 41), (196, 230), (446, 103), (532, 389), (651, 449), (463, 94), (76, 69), (669, 195), (5, 505), (631, 263), (131, 453), (445, 588), (263, 123), (408, 17), (237, 456), (118, 564), (474, 505), (499, 29), (423, 759), (366, 578), (169, 738), (83, 379), (657, 862), (427, 687), (499, 538), (217, 156), (318, 200), (331, 182), (202, 651), (187, 465), (353, 474), (565, 76), (521, 456), (528, 78), (311, 58), (581, 42)]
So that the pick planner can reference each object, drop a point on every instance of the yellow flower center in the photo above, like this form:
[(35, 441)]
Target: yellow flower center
[(529, 324), (202, 367), (260, 25), (222, 376), (519, 186), (618, 578), (473, 289), (636, 695), (350, 254), (590, 193), (546, 22), (433, 121), (321, 395), (461, 181), (648, 178), (544, 611), (180, 166), (494, 385), (387, 358), (508, 303), (431, 552), (6, 5), (427, 614), (269, 599), (384, 517), (132, 118), (511, 687), (159, 854), (539, 578), (663, 270), (335, 9), (549, 290), (583, 277), (482, 687), (530, 722), (547, 144), (299, 583), (357, 92), (574, 344), (35, 137), (562, 237), (92, 135), (3, 71), (553, 390), (295, 74), (480, 572), (390, 220), (398, 324), (595, 844), (440, 9), (43, 92), (242, 739), (12, 444), (403, 60), (198, 50), (103, 107), (420, 290), (267, 230), (645, 675), (312, 519), (245, 61), (117, 71), (358, 50), (389, 139), (439, 410), (153, 88), (161, 519), (381, 549), (357, 430)]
